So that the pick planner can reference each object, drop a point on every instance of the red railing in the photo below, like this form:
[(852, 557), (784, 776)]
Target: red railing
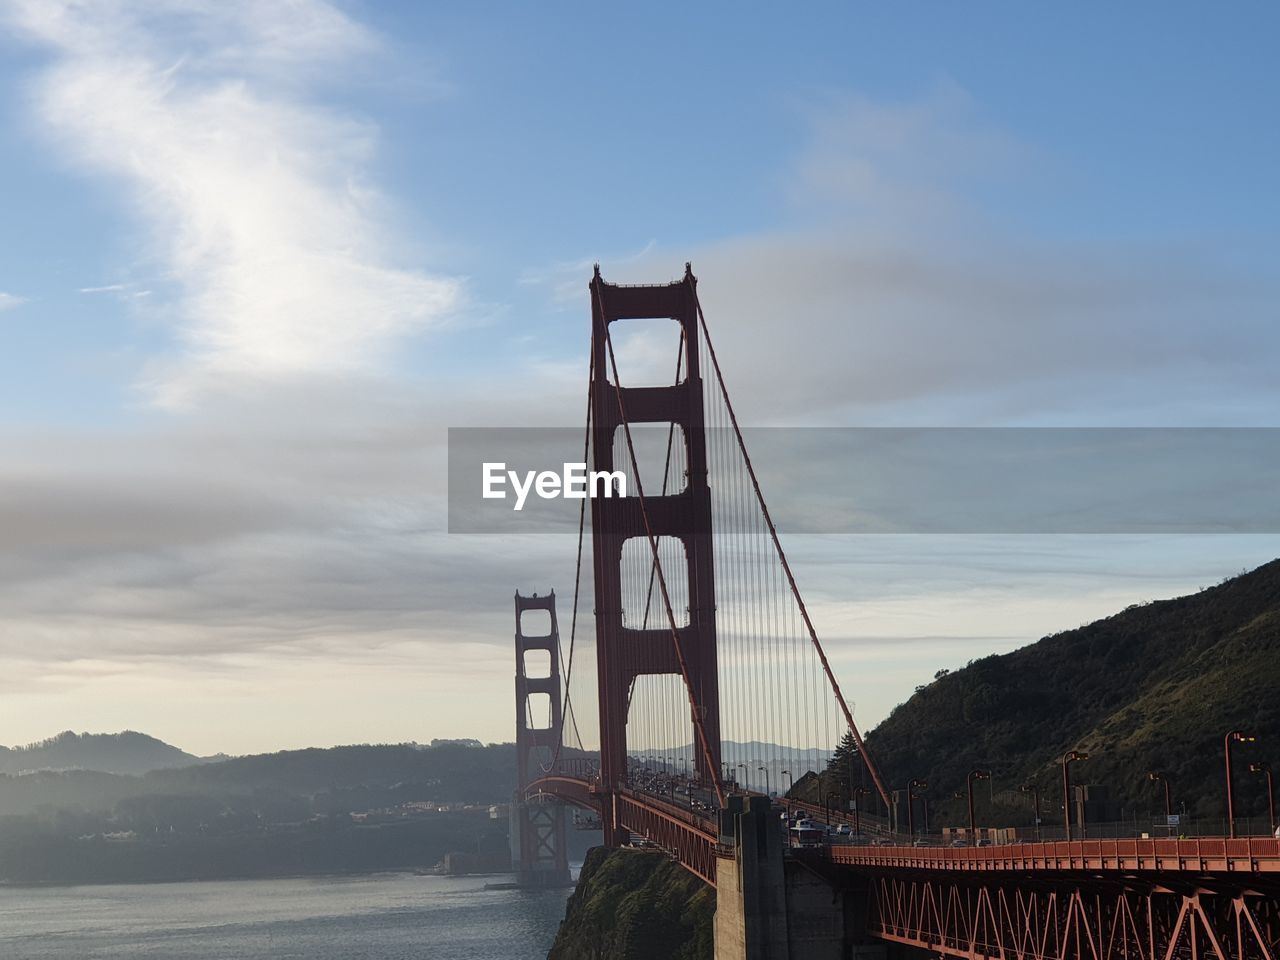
[(686, 835), (1204, 855)]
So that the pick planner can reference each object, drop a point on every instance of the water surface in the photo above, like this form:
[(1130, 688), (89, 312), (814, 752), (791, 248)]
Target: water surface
[(381, 917)]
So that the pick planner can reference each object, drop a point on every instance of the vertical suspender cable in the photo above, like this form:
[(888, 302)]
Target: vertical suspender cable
[(773, 533)]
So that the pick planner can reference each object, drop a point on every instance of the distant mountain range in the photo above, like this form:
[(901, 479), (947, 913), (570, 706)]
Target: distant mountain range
[(1154, 687), (128, 752)]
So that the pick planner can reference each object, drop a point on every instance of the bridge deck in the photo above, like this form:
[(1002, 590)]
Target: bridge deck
[(1199, 856), (691, 838)]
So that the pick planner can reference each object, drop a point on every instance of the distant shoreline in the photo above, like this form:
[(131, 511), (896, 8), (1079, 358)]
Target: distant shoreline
[(329, 875)]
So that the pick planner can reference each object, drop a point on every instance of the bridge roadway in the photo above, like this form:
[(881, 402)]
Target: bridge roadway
[(680, 831), (1156, 899)]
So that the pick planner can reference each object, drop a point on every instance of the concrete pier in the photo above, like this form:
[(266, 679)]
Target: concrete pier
[(771, 905)]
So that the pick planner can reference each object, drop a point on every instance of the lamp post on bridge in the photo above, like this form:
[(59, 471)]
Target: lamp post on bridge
[(857, 809), (973, 822), (912, 786), (786, 797), (1271, 793), (1068, 758), (765, 770), (1155, 775), (1235, 736), (1034, 790), (827, 805), (745, 776)]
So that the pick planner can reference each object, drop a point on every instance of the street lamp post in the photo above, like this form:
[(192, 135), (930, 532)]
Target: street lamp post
[(1034, 790), (826, 805), (765, 771), (1155, 775), (743, 768), (1235, 736), (912, 786), (973, 822), (1068, 758), (791, 785), (1271, 792), (857, 809)]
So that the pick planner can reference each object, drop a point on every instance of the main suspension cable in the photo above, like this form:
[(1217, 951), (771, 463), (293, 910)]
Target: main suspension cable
[(577, 582)]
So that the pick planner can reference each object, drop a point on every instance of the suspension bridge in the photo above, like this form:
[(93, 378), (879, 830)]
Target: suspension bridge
[(704, 684)]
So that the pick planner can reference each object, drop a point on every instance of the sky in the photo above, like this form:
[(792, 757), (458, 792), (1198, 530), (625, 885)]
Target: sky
[(256, 258)]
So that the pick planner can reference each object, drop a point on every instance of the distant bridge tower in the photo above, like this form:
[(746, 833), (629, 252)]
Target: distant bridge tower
[(537, 823), (625, 652)]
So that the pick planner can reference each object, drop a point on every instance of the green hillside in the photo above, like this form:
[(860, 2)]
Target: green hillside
[(635, 904), (1152, 688)]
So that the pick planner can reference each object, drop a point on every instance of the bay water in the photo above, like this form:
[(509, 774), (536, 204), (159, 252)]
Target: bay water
[(378, 917)]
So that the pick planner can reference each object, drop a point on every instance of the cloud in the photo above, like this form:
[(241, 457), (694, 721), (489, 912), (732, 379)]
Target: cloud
[(8, 301), (894, 295), (255, 199), (885, 161), (294, 528)]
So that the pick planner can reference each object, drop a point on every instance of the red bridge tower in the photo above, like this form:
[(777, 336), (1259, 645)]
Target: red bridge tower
[(538, 822), (624, 653)]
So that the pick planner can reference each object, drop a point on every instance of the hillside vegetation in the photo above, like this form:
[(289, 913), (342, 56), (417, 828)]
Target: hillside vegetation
[(635, 904), (345, 809), (1154, 687), (128, 753), (332, 780)]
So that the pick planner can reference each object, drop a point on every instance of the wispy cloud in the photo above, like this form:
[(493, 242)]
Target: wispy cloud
[(904, 298), (8, 301), (567, 279), (899, 161), (255, 198)]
